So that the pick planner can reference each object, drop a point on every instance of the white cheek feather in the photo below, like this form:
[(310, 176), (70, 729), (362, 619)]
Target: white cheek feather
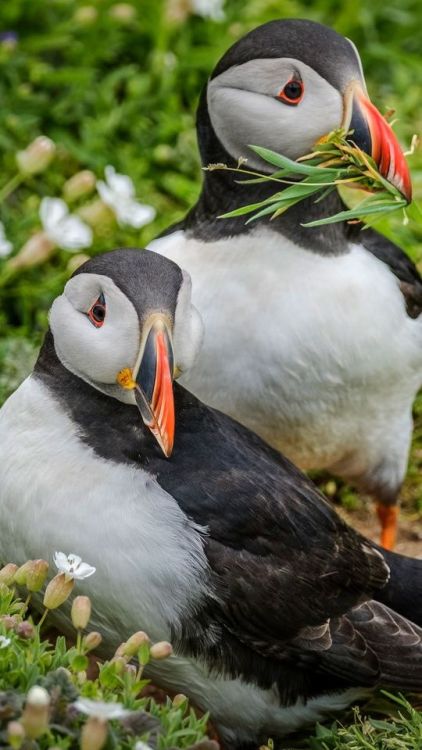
[(315, 353), (244, 111), (188, 332), (57, 494), (94, 354)]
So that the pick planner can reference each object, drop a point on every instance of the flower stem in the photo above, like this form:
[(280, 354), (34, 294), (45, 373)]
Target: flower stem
[(10, 186), (45, 613)]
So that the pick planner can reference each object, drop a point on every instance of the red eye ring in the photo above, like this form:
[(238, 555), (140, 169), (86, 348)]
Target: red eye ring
[(292, 92), (97, 312)]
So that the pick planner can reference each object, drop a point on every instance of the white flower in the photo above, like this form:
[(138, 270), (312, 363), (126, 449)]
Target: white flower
[(118, 192), (101, 710), (64, 229), (6, 247), (73, 566), (4, 642), (142, 746), (209, 9)]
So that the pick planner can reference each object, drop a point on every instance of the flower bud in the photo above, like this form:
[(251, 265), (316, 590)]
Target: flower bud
[(7, 574), (35, 714), (92, 640), (57, 591), (161, 650), (82, 183), (37, 156), (25, 630), (119, 663), (131, 669), (86, 15), (123, 12), (9, 622), (134, 643), (96, 214), (75, 261), (36, 574), (21, 573), (81, 612), (15, 734), (35, 251), (179, 700), (94, 734)]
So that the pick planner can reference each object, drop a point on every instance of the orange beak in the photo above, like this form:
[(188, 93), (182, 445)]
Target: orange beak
[(373, 134), (153, 383)]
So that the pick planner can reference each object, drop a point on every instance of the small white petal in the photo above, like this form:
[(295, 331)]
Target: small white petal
[(71, 233), (120, 184), (4, 642), (209, 9), (6, 247), (61, 562), (52, 211), (101, 710), (134, 214), (83, 571), (106, 193), (142, 746)]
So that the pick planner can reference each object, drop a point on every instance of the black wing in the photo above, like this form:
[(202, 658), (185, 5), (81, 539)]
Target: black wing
[(401, 266), (282, 559)]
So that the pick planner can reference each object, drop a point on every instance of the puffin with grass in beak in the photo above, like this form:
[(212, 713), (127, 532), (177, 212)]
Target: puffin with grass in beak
[(313, 335), (200, 532)]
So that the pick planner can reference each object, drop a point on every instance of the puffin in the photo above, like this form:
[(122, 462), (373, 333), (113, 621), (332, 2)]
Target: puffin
[(201, 533), (313, 335)]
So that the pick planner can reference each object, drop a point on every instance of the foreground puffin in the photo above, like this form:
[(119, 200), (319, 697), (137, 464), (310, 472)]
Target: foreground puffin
[(313, 336), (180, 544)]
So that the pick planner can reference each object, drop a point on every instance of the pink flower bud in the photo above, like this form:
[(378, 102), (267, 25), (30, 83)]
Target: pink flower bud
[(37, 156), (161, 650), (15, 734), (36, 574), (25, 630), (92, 640), (134, 643), (9, 621), (7, 574), (81, 612), (57, 591), (82, 183), (35, 251), (94, 734)]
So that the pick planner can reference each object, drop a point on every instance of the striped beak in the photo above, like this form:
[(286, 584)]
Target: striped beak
[(373, 134), (153, 383)]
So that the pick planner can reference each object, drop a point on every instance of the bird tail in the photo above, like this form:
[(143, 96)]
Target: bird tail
[(403, 592), (395, 641)]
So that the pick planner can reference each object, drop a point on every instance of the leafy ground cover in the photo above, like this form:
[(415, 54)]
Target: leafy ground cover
[(116, 84)]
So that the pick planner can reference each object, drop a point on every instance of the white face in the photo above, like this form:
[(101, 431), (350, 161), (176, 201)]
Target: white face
[(98, 352), (248, 106)]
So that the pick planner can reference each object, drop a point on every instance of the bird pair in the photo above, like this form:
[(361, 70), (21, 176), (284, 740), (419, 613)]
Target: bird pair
[(278, 611)]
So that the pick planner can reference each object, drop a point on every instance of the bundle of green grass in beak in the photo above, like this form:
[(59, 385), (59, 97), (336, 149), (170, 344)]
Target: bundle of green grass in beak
[(335, 162)]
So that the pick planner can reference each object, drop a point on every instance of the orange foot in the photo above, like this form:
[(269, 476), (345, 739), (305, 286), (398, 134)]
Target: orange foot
[(388, 515)]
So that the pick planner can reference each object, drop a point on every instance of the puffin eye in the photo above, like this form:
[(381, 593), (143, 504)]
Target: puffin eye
[(292, 92), (97, 312)]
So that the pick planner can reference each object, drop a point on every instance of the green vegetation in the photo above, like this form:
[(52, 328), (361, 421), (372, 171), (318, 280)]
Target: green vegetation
[(117, 83), (55, 695)]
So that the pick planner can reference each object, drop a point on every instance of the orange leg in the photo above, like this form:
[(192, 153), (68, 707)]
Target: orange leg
[(388, 515)]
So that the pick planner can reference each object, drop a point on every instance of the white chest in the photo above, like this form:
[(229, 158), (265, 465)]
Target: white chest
[(302, 348), (57, 494)]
